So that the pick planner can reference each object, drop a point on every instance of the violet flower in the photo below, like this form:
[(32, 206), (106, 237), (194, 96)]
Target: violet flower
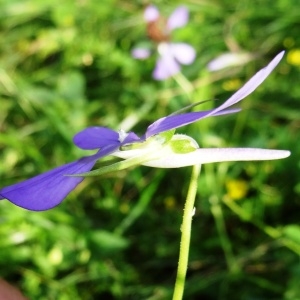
[(169, 150), (171, 55)]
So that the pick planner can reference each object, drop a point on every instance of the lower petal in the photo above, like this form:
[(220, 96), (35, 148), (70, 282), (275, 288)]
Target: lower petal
[(47, 190), (212, 155), (166, 66)]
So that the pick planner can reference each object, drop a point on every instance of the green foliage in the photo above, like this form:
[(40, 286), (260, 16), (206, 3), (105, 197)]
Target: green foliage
[(66, 65)]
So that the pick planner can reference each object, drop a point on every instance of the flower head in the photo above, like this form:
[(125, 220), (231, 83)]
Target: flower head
[(171, 55), (168, 150)]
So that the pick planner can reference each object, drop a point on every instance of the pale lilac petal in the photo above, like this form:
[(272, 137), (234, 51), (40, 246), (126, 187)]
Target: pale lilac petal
[(169, 159), (166, 66), (151, 13), (47, 190), (229, 59), (96, 137), (178, 18), (184, 53), (140, 53), (176, 121), (213, 155)]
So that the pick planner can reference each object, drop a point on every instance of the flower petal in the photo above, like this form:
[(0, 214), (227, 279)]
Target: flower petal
[(151, 13), (178, 18), (166, 66), (47, 190), (184, 53), (140, 53), (95, 138), (229, 59), (251, 84), (207, 155), (175, 121), (131, 138)]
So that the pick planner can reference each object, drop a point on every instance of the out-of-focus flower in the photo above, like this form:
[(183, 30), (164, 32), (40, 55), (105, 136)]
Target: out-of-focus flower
[(171, 55), (166, 149), (229, 59), (236, 189), (293, 57)]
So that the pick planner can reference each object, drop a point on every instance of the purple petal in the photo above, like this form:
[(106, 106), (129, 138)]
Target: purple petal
[(140, 53), (151, 13), (95, 138), (131, 138), (251, 84), (47, 190), (166, 66), (184, 53), (178, 18), (175, 121)]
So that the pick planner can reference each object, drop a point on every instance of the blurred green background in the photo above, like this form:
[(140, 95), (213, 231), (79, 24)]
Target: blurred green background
[(66, 65)]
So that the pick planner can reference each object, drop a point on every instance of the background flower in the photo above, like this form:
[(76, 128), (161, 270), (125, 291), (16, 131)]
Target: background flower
[(171, 55)]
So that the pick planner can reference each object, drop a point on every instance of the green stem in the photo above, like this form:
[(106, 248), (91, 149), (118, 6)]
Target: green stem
[(186, 234)]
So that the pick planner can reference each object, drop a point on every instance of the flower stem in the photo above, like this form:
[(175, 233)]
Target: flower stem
[(186, 234)]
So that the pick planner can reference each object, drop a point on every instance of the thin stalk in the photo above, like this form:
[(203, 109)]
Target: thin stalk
[(217, 213), (186, 234)]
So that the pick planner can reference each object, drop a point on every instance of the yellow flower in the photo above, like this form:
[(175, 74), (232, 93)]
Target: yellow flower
[(236, 188), (293, 57)]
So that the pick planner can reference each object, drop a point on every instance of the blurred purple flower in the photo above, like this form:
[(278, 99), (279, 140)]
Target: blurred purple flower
[(47, 190), (171, 55)]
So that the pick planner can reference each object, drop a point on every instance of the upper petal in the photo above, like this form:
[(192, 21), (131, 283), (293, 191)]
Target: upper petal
[(95, 138), (184, 53), (175, 121), (178, 18), (151, 13), (48, 189), (251, 84)]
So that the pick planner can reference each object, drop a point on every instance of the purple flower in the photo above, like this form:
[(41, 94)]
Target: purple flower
[(47, 190), (171, 55)]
